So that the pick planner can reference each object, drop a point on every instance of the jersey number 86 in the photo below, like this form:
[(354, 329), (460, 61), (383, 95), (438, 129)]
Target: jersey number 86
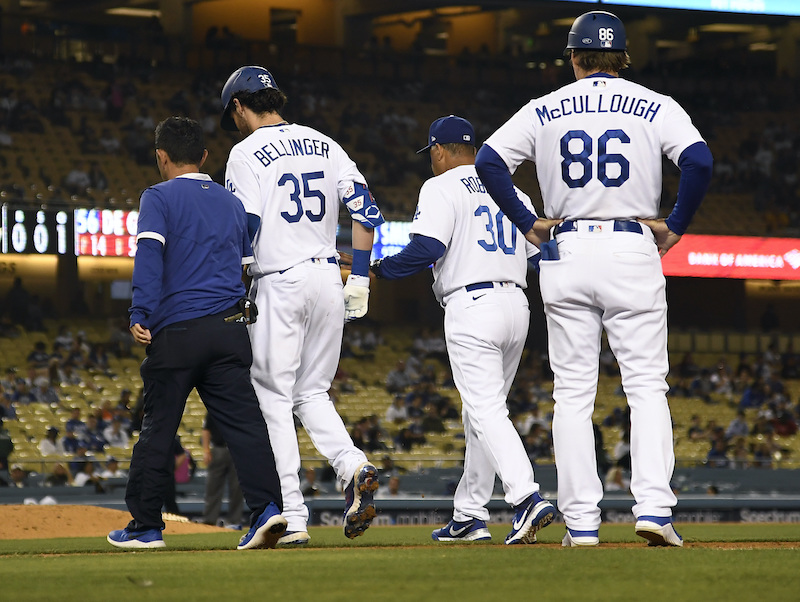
[(604, 159)]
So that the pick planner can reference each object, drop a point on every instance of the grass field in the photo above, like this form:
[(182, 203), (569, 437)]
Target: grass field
[(719, 562)]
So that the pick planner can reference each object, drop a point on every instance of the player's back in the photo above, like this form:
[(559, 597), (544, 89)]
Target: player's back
[(482, 243), (292, 177), (598, 146)]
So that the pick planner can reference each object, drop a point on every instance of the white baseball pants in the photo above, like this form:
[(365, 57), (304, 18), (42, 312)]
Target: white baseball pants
[(485, 332), (296, 343), (613, 281)]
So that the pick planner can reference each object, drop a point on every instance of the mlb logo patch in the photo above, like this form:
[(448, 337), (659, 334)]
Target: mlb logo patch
[(595, 228), (599, 83)]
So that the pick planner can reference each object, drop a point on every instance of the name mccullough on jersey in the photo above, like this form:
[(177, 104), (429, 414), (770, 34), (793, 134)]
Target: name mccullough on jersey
[(627, 105)]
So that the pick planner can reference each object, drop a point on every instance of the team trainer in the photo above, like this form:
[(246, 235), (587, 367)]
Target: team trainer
[(189, 309)]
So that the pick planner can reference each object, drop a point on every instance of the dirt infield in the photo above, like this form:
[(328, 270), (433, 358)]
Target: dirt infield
[(44, 522)]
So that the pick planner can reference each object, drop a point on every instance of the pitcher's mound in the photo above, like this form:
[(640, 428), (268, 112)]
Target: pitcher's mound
[(44, 522)]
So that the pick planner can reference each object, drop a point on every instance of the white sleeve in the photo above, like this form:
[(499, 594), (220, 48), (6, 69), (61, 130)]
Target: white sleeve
[(515, 140), (435, 216), (678, 132), (348, 172), (243, 182)]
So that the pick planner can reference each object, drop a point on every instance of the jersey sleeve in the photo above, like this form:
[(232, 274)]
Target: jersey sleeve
[(435, 216), (530, 248), (152, 221), (678, 132), (514, 141), (242, 181)]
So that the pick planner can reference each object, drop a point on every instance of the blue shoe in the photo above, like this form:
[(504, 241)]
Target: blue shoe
[(359, 508), (294, 538), (472, 530), (658, 531), (530, 516), (266, 532), (577, 539), (136, 540)]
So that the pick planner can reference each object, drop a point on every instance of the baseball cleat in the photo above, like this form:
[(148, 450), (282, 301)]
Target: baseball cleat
[(294, 538), (530, 516), (136, 540), (359, 509), (265, 533), (658, 531), (579, 539), (472, 530)]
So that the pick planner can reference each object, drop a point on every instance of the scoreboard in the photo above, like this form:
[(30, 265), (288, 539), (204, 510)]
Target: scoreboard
[(32, 231), (105, 232)]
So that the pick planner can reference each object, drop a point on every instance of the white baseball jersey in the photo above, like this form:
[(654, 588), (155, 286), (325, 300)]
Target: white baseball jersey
[(294, 178), (595, 140), (487, 247)]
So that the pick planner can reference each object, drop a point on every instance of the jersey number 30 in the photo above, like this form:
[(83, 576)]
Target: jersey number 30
[(604, 159), (498, 240), (308, 193)]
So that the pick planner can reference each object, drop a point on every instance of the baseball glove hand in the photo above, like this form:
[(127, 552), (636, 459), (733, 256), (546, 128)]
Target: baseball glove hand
[(356, 297)]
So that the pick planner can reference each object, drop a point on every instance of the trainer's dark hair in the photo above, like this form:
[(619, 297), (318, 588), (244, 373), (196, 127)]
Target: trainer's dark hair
[(182, 139), (268, 100), (457, 149), (603, 61)]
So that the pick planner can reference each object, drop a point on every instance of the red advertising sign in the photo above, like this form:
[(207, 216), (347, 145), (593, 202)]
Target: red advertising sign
[(734, 257)]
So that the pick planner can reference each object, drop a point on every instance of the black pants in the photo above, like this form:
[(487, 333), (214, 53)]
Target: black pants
[(214, 356)]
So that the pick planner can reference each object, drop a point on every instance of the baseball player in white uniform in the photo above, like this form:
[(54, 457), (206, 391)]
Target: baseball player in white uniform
[(291, 180), (479, 277), (597, 144)]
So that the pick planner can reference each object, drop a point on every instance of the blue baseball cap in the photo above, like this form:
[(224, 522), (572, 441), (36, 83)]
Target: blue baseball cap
[(450, 130)]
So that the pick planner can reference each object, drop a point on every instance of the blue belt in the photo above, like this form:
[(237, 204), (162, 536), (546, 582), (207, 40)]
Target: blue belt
[(619, 226), (314, 260), (480, 285)]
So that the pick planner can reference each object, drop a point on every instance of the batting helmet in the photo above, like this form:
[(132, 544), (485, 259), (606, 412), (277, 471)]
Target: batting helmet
[(596, 30), (248, 79)]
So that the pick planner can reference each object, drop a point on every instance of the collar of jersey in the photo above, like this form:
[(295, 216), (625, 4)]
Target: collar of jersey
[(273, 125), (608, 75), (195, 176)]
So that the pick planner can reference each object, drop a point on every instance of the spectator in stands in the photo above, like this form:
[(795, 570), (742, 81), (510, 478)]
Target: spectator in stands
[(538, 443), (38, 358), (718, 454), (93, 435), (398, 380), (51, 445), (738, 427), (411, 435), (97, 177), (784, 423), (617, 479), (98, 359), (109, 143), (60, 476), (762, 454), (392, 489), (740, 455), (19, 476), (309, 484), (397, 411), (87, 476), (44, 392), (70, 441), (687, 368), (115, 434), (754, 395), (22, 394), (75, 423), (112, 470), (63, 340), (121, 341), (77, 179), (7, 409)]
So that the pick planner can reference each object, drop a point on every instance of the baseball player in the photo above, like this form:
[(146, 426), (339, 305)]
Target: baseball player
[(479, 275), (291, 180), (598, 144)]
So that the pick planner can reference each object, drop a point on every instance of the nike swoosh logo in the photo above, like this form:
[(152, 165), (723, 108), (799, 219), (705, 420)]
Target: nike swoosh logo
[(457, 532), (518, 525), (478, 297)]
